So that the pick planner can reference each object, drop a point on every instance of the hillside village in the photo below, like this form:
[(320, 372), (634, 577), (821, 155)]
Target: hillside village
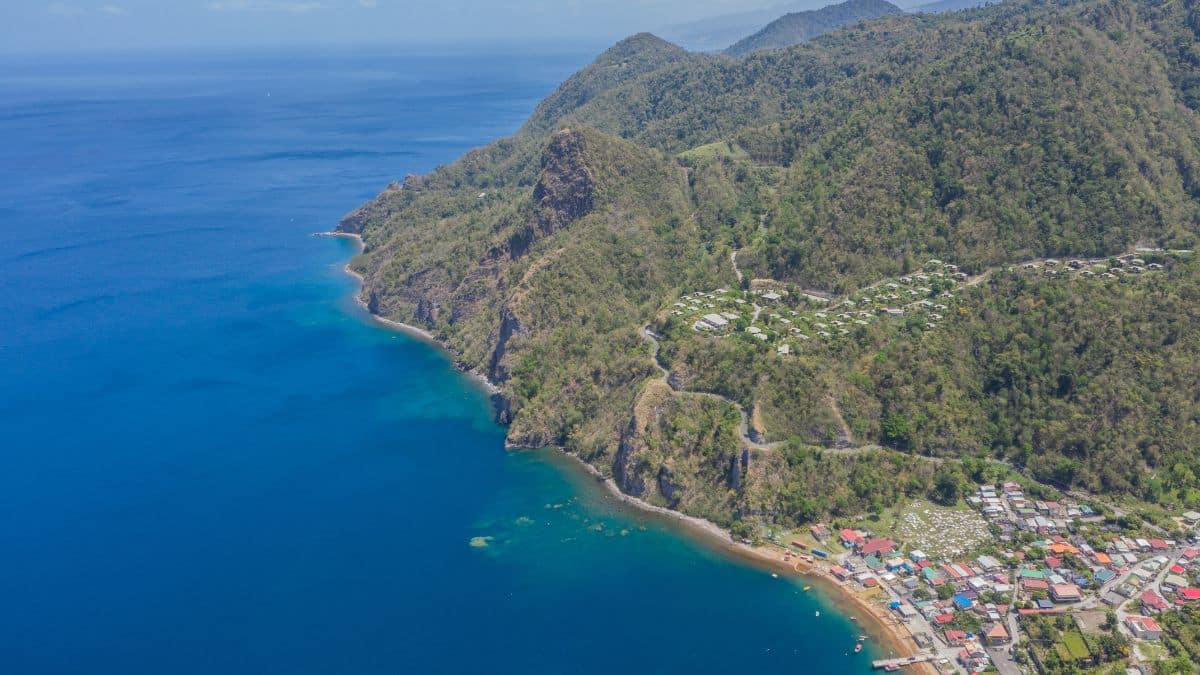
[(788, 319), (1057, 584)]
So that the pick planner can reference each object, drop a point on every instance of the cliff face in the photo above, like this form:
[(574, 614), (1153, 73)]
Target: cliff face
[(535, 283), (565, 192)]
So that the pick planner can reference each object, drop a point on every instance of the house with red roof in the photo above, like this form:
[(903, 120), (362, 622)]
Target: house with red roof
[(996, 635), (1143, 627), (1153, 602), (1158, 544), (851, 538), (943, 618), (1187, 595), (1065, 593), (1036, 584), (955, 638), (878, 546)]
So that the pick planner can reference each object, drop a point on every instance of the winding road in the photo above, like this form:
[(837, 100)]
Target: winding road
[(743, 426), (846, 443)]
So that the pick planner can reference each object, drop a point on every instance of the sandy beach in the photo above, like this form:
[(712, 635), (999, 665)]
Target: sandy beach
[(892, 636)]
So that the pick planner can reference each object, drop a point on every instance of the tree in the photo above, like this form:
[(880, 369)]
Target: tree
[(946, 489)]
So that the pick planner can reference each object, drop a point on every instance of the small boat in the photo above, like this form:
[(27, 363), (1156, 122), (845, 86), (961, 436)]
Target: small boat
[(807, 589), (864, 638), (891, 667), (858, 648), (818, 613), (854, 618)]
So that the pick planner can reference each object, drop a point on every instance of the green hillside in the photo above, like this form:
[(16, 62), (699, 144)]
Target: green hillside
[(833, 171)]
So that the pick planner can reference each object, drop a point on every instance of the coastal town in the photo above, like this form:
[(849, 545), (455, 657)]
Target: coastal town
[(1011, 582)]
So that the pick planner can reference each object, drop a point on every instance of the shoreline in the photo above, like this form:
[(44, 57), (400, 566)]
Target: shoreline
[(407, 329), (892, 637)]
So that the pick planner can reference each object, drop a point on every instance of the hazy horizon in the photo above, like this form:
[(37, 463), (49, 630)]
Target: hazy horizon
[(72, 26)]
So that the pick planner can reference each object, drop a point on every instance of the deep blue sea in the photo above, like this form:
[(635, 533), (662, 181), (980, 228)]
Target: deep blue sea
[(212, 462)]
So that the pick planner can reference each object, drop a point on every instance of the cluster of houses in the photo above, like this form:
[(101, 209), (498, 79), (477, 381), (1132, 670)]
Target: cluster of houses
[(967, 617), (967, 606), (927, 295), (1157, 585), (1103, 268), (1009, 511), (1142, 575)]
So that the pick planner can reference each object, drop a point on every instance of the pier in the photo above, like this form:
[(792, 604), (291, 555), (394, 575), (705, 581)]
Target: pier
[(882, 664)]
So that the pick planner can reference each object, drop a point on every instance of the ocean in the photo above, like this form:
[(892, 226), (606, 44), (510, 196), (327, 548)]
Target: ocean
[(212, 461)]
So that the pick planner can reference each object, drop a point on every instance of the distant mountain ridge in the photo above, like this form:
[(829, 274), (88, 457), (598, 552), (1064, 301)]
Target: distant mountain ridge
[(792, 29), (715, 33), (951, 6)]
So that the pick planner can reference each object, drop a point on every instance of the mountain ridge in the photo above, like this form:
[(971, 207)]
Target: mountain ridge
[(796, 27)]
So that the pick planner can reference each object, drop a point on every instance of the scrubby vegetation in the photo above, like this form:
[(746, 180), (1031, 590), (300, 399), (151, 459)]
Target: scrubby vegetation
[(1181, 637)]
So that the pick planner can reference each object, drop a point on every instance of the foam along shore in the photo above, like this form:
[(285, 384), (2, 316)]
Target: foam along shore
[(893, 637), (407, 329)]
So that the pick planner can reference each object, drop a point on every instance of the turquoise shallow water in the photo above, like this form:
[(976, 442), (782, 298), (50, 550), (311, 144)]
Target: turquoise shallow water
[(212, 461)]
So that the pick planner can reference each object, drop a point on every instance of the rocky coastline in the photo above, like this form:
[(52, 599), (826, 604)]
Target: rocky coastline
[(895, 637)]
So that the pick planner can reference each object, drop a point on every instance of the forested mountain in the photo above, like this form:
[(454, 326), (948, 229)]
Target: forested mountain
[(986, 138), (718, 32), (792, 29)]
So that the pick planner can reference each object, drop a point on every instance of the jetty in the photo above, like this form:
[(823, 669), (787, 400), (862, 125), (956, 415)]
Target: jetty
[(893, 664)]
